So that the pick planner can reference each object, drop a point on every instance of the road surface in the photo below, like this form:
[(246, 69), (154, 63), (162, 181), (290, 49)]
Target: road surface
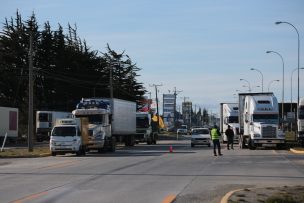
[(146, 173)]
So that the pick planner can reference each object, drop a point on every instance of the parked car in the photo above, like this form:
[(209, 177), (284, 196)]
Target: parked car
[(200, 136), (182, 131)]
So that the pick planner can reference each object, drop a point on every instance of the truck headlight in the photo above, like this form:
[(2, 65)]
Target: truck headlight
[(256, 135)]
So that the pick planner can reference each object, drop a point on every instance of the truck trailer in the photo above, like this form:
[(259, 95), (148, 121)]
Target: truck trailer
[(229, 115), (8, 123), (45, 121), (259, 121), (300, 122), (109, 121)]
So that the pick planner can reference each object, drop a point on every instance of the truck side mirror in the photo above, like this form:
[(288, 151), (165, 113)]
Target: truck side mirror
[(246, 121), (251, 123)]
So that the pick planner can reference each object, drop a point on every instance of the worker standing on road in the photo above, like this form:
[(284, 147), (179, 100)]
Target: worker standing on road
[(230, 136), (215, 136)]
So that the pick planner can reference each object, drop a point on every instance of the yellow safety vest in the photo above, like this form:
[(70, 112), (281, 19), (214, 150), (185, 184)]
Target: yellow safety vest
[(214, 134)]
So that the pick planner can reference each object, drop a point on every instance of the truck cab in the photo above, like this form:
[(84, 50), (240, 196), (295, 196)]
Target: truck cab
[(260, 121)]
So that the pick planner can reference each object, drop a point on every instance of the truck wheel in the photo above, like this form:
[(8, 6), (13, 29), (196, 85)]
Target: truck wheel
[(54, 154), (112, 145), (251, 144), (149, 140), (132, 140), (192, 145)]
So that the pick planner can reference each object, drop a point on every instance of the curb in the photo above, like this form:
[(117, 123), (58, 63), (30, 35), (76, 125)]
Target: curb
[(228, 195), (296, 151), (28, 156)]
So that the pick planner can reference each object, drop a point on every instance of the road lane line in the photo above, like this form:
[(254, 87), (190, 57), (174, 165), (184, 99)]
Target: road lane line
[(30, 197), (170, 198)]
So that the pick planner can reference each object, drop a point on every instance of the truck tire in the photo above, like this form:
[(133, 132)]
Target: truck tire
[(132, 140), (251, 145), (54, 153), (112, 147), (149, 140)]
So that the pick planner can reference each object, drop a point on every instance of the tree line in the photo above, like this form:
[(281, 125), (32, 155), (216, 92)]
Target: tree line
[(65, 68)]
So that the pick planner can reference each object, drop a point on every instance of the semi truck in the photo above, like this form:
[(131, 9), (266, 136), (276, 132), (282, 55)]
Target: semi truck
[(69, 135), (145, 130), (109, 121), (8, 123), (259, 121), (300, 122), (229, 116), (45, 121)]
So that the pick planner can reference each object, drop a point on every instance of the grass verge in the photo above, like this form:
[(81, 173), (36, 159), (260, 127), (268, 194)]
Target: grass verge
[(24, 152)]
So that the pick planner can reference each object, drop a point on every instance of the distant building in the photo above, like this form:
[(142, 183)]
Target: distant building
[(168, 109), (187, 109)]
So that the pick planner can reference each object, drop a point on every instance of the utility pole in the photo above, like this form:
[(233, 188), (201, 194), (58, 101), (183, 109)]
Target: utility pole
[(157, 112), (30, 108)]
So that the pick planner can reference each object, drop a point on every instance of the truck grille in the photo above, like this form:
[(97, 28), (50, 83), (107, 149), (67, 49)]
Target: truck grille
[(269, 132)]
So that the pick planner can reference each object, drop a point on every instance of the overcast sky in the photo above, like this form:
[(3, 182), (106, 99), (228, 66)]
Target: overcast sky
[(201, 47)]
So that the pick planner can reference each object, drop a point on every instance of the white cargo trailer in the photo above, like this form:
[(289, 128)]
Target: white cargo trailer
[(8, 122), (45, 121), (229, 115)]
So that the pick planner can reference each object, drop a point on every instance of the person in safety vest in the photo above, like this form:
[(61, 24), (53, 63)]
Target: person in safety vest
[(215, 136)]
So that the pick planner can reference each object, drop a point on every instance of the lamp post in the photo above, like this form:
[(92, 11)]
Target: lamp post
[(271, 83), (291, 86), (280, 22), (261, 75), (248, 83), (282, 80)]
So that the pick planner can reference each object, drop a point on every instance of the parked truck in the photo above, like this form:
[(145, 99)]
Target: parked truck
[(69, 135), (45, 121), (145, 132), (229, 116), (109, 121), (301, 122), (259, 121), (8, 123)]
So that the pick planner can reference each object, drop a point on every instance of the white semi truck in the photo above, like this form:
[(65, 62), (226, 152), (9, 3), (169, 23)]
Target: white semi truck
[(259, 121), (229, 115), (109, 121), (144, 128), (300, 122), (69, 135), (45, 121), (8, 123)]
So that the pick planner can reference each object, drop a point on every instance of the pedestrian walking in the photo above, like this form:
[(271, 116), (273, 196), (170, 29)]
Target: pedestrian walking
[(215, 136), (230, 137)]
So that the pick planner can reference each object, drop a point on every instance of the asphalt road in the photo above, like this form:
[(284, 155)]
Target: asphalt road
[(149, 174)]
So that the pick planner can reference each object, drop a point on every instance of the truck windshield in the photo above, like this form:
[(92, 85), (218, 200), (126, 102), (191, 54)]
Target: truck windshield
[(268, 118), (233, 119), (301, 112), (64, 131), (93, 119), (142, 122)]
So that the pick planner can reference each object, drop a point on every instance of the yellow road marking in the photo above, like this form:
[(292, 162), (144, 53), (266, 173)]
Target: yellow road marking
[(169, 199), (30, 197)]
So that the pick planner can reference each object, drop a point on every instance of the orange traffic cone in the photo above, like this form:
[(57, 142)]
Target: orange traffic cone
[(170, 149)]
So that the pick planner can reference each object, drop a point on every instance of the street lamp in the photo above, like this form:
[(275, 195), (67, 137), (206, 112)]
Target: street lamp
[(248, 83), (261, 75), (280, 22), (282, 80), (272, 82), (291, 87)]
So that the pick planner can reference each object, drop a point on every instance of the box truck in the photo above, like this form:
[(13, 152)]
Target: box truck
[(69, 135), (259, 120), (8, 123), (109, 121), (229, 115), (45, 121), (145, 132)]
